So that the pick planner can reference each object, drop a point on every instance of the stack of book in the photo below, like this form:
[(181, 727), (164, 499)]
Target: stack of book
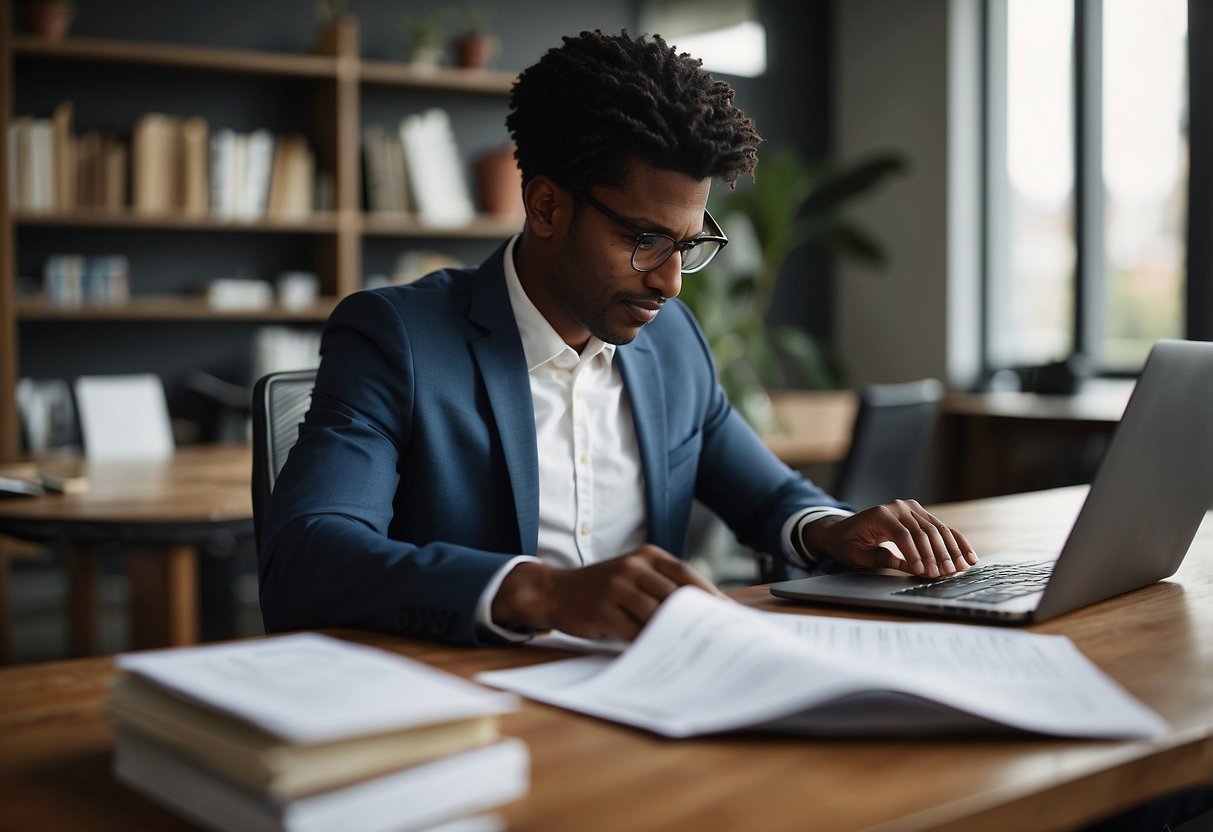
[(417, 169), (306, 732)]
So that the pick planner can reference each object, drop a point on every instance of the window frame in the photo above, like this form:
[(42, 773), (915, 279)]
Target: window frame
[(1090, 279)]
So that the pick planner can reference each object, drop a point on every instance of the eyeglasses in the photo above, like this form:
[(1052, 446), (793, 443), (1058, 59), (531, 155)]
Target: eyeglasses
[(654, 248)]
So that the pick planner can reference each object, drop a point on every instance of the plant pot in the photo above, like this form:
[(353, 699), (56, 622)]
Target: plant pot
[(48, 19), (476, 51), (425, 58), (499, 183)]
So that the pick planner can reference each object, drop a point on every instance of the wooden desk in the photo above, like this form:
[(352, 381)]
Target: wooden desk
[(160, 511), (1009, 442), (814, 426), (55, 747)]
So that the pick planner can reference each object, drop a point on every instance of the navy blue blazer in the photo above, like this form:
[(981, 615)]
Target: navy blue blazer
[(416, 472)]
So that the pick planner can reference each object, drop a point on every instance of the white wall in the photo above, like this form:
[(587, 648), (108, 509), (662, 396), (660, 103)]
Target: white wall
[(906, 76)]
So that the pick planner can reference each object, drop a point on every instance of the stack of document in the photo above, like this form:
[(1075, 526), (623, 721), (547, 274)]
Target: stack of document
[(306, 732)]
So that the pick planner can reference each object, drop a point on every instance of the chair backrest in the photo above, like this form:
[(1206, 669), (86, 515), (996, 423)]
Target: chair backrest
[(893, 426), (280, 401)]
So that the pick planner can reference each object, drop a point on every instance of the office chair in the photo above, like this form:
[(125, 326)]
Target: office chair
[(892, 428), (280, 401)]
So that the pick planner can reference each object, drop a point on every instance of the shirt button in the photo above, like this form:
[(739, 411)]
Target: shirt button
[(585, 528), (585, 459)]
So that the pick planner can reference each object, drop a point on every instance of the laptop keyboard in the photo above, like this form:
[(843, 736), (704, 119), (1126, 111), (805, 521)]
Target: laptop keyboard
[(987, 584)]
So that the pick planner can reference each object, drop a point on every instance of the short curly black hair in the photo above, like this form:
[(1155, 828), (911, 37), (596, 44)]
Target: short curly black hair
[(588, 108)]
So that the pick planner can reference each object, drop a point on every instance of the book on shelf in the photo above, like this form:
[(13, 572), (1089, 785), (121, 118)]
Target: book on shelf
[(384, 166), (223, 173), (74, 280), (255, 177), (291, 179), (292, 732), (18, 153), (156, 169), (64, 157), (707, 665), (31, 164), (195, 190), (101, 172), (435, 169), (41, 166)]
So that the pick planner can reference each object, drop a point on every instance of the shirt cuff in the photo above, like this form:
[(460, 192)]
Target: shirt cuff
[(793, 539), (484, 607)]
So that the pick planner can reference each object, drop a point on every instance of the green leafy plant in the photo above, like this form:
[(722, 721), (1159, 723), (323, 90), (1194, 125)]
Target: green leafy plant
[(790, 205)]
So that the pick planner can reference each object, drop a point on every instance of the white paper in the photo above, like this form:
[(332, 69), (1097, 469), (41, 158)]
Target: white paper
[(124, 417), (310, 688), (704, 665)]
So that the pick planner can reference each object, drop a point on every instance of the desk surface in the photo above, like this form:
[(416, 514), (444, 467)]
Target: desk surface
[(161, 510), (55, 745), (205, 484), (1101, 402)]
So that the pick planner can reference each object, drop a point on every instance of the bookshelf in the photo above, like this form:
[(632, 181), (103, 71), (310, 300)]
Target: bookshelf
[(333, 79)]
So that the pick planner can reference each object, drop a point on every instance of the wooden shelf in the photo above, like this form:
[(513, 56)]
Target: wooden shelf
[(444, 79), (387, 73), (334, 78), (403, 225), (167, 308), (316, 224), (166, 54)]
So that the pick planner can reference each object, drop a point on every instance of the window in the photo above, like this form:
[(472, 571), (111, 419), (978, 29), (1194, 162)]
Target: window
[(726, 34), (1087, 164)]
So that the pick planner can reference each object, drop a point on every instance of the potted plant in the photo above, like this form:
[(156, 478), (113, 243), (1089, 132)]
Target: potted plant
[(477, 44), (426, 39), (791, 204), (49, 18)]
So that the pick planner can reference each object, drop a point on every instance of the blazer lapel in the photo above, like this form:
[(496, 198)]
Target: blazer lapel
[(642, 378), (498, 352)]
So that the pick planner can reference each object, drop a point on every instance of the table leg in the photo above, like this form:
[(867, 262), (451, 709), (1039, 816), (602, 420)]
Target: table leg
[(84, 613), (164, 596)]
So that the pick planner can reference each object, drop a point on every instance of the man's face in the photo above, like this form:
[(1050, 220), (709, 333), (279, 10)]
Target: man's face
[(593, 288)]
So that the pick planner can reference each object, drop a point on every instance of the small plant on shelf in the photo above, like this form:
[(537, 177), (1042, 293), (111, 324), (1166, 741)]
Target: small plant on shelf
[(477, 44), (426, 39)]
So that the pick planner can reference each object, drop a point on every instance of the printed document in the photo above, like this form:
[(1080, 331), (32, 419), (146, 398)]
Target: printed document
[(706, 665)]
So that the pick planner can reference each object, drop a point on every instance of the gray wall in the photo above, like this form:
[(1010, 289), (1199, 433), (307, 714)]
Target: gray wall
[(906, 78)]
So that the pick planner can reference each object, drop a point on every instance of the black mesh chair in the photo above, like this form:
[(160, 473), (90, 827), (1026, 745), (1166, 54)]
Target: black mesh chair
[(893, 426), (892, 429), (280, 401)]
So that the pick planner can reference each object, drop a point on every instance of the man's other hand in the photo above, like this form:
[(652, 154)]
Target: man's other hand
[(611, 599), (897, 535)]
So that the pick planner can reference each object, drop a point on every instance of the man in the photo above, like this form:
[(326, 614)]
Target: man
[(497, 451)]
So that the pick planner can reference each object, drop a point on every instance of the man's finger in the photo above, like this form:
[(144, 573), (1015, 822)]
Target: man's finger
[(683, 575)]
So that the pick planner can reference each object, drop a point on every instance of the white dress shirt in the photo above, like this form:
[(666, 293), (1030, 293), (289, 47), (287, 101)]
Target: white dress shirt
[(591, 482)]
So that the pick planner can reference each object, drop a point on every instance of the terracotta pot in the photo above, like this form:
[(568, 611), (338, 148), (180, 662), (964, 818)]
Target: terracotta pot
[(48, 19), (500, 184), (475, 51)]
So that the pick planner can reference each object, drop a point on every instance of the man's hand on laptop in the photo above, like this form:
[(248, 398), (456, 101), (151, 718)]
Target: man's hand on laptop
[(610, 599), (897, 535)]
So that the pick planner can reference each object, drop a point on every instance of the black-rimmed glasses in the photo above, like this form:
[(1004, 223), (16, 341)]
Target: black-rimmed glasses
[(653, 248)]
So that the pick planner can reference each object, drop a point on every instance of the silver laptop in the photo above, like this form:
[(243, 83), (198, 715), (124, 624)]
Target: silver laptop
[(1151, 492)]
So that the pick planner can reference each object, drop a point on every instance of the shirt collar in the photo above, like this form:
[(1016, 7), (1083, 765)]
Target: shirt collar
[(540, 342)]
